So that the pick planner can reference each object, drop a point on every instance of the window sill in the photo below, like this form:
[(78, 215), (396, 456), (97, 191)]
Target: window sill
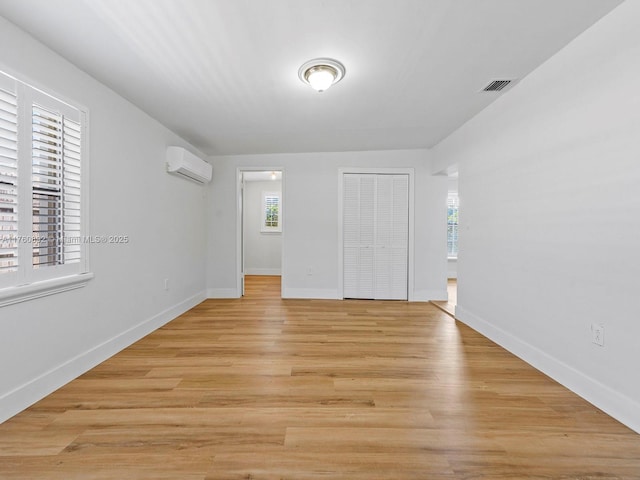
[(452, 258), (23, 293)]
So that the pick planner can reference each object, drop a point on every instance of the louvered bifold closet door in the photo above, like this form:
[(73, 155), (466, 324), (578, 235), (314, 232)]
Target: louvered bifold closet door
[(358, 235), (384, 231), (376, 236), (8, 180), (392, 229), (399, 237)]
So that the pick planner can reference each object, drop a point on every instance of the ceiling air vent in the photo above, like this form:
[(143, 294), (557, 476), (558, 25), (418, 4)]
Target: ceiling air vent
[(497, 85)]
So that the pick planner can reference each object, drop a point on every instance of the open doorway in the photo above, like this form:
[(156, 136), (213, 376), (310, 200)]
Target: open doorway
[(261, 209), (453, 206)]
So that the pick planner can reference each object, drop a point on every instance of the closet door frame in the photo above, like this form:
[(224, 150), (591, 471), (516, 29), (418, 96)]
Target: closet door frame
[(388, 171)]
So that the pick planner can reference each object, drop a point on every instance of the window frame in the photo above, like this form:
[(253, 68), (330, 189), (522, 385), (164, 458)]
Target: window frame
[(27, 282), (264, 228), (453, 202)]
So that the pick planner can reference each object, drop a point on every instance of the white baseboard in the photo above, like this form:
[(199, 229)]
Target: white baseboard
[(223, 293), (311, 293), (331, 294), (262, 271), (29, 393), (428, 295), (612, 402)]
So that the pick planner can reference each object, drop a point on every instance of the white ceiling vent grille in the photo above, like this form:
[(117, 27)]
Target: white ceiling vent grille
[(498, 85)]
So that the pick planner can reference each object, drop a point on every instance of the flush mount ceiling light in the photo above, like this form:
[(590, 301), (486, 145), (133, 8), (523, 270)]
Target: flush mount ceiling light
[(321, 73)]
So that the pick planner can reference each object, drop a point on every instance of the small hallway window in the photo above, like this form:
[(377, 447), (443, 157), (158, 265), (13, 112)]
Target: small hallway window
[(271, 212), (452, 225)]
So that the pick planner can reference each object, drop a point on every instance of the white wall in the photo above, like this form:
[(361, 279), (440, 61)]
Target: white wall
[(452, 268), (310, 236), (550, 217), (46, 342), (262, 250)]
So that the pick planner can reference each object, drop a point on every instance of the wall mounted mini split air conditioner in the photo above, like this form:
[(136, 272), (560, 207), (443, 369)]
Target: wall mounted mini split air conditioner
[(183, 163)]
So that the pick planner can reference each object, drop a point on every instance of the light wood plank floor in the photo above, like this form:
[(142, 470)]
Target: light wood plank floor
[(264, 388), (450, 305)]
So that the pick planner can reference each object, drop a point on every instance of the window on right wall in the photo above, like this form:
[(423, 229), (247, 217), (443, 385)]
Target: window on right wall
[(452, 225)]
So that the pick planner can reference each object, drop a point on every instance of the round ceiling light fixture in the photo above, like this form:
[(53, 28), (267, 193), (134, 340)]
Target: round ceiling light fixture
[(321, 73)]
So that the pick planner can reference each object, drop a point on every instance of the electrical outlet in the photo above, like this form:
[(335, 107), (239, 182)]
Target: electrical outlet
[(166, 284), (597, 334)]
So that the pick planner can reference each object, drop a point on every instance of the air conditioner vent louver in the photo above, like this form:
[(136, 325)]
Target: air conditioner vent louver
[(497, 85)]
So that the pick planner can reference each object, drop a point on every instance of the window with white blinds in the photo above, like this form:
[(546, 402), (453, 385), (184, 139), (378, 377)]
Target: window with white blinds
[(8, 180), (41, 193), (55, 188), (271, 212), (452, 225)]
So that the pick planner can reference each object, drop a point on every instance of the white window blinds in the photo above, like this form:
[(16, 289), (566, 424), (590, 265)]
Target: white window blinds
[(452, 225), (55, 188), (8, 181), (271, 212), (41, 186)]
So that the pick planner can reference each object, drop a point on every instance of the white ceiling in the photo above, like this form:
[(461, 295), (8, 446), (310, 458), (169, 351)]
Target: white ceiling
[(223, 73)]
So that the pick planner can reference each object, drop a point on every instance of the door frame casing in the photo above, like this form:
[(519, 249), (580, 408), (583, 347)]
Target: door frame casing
[(373, 171), (239, 219)]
